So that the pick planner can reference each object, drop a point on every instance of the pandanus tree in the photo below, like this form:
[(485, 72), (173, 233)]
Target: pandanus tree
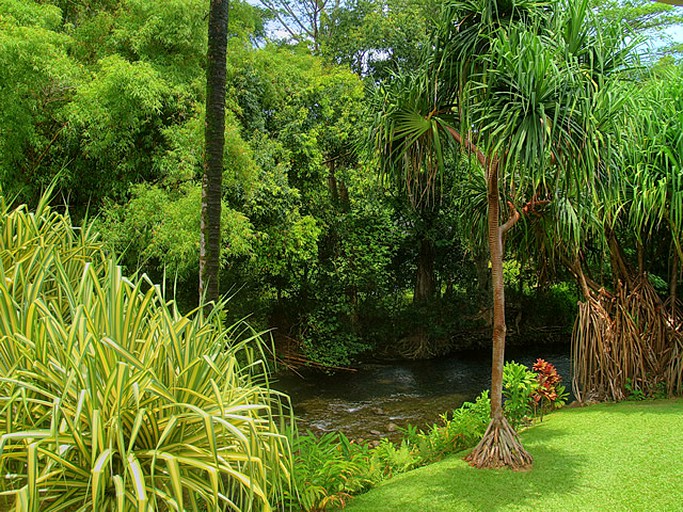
[(506, 85), (627, 334), (413, 169), (655, 180)]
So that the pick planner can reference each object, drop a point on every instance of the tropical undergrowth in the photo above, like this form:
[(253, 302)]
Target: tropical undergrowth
[(110, 399), (330, 469)]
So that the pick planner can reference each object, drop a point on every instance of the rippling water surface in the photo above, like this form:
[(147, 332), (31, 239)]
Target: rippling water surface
[(378, 399)]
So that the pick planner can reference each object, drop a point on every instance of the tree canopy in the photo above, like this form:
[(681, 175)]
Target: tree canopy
[(359, 148)]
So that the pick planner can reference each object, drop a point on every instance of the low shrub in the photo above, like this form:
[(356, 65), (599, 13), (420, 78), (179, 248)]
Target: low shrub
[(328, 470), (463, 429), (635, 390), (389, 459), (519, 386), (549, 393)]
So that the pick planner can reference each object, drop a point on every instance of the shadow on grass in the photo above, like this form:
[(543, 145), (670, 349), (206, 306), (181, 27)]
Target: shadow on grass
[(455, 486)]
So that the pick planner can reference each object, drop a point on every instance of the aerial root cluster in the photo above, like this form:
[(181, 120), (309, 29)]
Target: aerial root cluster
[(500, 447), (627, 339)]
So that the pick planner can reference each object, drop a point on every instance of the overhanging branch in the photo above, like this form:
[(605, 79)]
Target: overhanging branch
[(470, 146), (514, 218)]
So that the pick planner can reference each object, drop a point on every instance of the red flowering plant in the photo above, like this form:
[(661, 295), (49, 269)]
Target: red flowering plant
[(550, 393)]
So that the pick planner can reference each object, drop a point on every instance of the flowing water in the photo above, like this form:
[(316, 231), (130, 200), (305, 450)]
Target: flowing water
[(377, 400)]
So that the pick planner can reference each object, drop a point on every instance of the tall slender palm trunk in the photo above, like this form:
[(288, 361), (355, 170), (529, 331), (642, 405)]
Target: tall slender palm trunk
[(210, 238), (495, 240), (500, 446)]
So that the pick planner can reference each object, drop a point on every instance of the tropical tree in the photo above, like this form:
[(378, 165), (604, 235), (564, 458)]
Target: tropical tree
[(508, 85), (419, 184), (210, 240), (303, 20), (374, 37), (628, 334)]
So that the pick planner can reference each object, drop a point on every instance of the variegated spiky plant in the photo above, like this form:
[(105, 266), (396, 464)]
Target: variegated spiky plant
[(110, 399)]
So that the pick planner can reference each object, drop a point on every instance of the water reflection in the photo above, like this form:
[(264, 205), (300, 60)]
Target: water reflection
[(378, 399)]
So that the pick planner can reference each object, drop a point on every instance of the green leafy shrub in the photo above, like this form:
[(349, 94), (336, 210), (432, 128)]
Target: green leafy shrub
[(635, 392), (471, 420), (632, 391), (519, 386), (463, 430), (392, 459), (110, 400), (528, 394), (328, 470)]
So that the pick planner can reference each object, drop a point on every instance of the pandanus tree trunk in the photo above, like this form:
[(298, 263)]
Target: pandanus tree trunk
[(210, 238), (626, 336), (500, 446), (495, 241), (484, 294)]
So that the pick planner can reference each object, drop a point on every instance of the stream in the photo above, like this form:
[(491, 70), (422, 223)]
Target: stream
[(378, 399)]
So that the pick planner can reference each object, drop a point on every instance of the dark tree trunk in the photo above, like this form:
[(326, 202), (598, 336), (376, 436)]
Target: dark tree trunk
[(425, 280), (332, 184), (589, 288), (344, 196), (420, 345), (620, 268), (338, 191), (500, 445), (210, 240)]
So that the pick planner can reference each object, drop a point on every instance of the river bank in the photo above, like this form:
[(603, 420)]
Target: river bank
[(378, 399)]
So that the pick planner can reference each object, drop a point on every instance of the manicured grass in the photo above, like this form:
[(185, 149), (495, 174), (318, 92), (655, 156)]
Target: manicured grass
[(608, 457)]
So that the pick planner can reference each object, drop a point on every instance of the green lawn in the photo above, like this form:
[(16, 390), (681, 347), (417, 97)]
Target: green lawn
[(608, 457)]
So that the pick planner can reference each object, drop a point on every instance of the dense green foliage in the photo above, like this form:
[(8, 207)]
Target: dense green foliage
[(105, 99), (327, 470), (602, 457), (110, 399)]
